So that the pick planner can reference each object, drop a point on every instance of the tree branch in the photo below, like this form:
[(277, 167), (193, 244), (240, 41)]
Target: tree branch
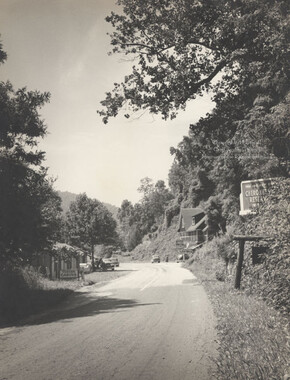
[(197, 85)]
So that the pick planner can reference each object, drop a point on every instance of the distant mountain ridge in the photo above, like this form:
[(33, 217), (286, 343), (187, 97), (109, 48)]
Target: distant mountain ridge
[(67, 198)]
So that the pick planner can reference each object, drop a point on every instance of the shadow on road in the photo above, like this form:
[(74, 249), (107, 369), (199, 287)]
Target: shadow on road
[(78, 306)]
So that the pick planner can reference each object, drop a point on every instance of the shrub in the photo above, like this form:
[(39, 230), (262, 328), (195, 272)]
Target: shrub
[(170, 212), (24, 292), (271, 279)]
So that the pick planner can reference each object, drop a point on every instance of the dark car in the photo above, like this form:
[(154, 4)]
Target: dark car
[(106, 264), (103, 264), (155, 259), (114, 261)]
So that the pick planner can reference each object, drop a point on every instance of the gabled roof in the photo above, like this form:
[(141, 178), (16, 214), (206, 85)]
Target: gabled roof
[(186, 214)]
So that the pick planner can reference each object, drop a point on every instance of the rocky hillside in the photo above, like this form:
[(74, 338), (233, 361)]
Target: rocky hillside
[(162, 243)]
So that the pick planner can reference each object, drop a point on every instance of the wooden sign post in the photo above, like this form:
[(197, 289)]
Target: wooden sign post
[(242, 239), (239, 264)]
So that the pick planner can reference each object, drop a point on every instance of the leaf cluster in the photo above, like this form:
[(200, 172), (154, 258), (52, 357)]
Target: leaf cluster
[(30, 208), (89, 222), (145, 216), (182, 48), (271, 278)]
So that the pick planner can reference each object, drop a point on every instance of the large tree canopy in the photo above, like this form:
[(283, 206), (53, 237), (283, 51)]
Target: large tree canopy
[(182, 48), (89, 223), (30, 208), (237, 50), (144, 217)]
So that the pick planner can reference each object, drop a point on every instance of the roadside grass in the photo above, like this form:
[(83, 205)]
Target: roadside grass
[(24, 292), (253, 337)]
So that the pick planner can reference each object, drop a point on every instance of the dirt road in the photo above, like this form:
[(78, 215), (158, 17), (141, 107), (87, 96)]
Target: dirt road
[(154, 323)]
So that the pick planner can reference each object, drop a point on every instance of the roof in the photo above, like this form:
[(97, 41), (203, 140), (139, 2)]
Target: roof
[(187, 214), (66, 250)]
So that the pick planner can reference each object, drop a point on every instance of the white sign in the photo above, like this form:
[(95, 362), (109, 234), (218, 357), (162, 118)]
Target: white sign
[(253, 193)]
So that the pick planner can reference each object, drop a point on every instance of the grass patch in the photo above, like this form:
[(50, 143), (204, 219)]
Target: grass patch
[(24, 292), (253, 337)]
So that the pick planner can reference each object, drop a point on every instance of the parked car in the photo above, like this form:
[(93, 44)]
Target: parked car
[(114, 261), (85, 267), (182, 257), (155, 259), (106, 264)]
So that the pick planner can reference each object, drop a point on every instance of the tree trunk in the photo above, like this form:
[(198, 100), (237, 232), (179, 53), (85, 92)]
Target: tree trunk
[(92, 255)]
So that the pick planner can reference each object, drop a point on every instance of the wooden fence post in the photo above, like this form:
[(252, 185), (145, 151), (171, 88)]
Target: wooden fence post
[(239, 264)]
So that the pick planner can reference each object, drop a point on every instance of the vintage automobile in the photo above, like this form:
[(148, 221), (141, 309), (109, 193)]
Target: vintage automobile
[(85, 267), (155, 259), (106, 264), (182, 257), (114, 261)]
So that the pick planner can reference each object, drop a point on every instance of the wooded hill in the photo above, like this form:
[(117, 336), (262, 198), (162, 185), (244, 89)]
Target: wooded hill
[(67, 198)]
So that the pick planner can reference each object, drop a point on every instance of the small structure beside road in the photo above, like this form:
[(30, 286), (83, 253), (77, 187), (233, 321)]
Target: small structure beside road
[(61, 263), (192, 229)]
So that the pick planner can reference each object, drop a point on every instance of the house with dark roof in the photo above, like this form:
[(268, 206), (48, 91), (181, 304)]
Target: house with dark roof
[(192, 228)]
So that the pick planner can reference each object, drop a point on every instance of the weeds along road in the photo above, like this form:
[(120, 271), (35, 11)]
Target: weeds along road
[(153, 323)]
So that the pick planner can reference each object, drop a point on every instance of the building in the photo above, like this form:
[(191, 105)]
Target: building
[(62, 263), (192, 228)]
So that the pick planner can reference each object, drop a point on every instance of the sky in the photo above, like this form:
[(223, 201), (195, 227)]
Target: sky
[(61, 46)]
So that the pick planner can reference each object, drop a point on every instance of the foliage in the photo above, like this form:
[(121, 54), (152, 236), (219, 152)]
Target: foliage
[(24, 292), (134, 237), (105, 250), (237, 50), (271, 278), (3, 55), (88, 223), (144, 217), (30, 208), (172, 210), (183, 48)]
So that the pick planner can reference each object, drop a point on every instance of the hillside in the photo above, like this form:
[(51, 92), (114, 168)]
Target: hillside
[(67, 198), (164, 243)]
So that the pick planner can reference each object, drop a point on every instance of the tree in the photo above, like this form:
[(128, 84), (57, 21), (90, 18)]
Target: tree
[(89, 223), (3, 55), (142, 218), (30, 208), (146, 187), (134, 237), (182, 48), (237, 50), (125, 216)]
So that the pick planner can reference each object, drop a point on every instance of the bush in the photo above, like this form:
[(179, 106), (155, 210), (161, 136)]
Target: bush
[(24, 292), (222, 248), (171, 211), (271, 279)]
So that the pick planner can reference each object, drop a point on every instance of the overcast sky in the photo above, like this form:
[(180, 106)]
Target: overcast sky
[(61, 46)]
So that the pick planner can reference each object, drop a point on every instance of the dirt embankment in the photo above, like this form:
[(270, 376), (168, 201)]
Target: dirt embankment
[(162, 243)]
